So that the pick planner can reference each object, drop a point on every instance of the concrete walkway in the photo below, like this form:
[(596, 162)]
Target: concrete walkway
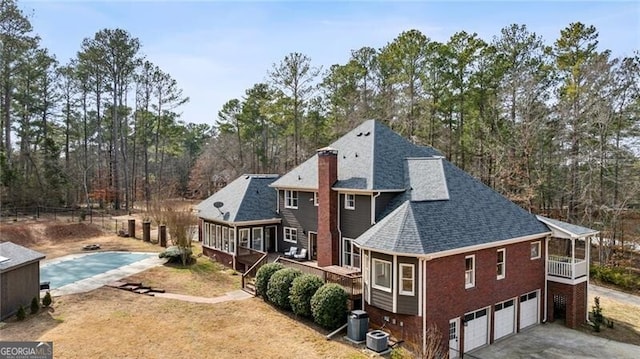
[(235, 295), (622, 297)]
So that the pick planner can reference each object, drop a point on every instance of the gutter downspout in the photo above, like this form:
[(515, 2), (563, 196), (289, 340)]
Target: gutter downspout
[(546, 277), (588, 263), (373, 208), (424, 304), (340, 249)]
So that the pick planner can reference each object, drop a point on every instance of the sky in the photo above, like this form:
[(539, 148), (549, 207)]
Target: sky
[(216, 50)]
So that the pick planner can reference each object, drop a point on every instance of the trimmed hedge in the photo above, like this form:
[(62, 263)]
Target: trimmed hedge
[(302, 290), (262, 277), (617, 276), (279, 286), (329, 306)]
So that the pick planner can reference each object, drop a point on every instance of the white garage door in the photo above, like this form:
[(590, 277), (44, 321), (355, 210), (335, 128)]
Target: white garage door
[(504, 319), (476, 329), (529, 304)]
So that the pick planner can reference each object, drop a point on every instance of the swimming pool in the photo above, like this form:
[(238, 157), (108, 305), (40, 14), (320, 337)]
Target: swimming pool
[(80, 267)]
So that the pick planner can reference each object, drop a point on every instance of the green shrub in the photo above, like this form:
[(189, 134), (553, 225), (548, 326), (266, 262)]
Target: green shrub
[(329, 306), (174, 254), (279, 286), (617, 276), (302, 289), (35, 305), (262, 278), (46, 301), (21, 313)]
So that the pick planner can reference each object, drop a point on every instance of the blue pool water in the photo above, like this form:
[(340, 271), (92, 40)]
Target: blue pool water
[(65, 272)]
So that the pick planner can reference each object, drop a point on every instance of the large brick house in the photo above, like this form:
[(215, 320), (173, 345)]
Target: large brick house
[(433, 245)]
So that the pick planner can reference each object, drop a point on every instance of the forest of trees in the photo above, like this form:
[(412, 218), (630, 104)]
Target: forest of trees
[(553, 124)]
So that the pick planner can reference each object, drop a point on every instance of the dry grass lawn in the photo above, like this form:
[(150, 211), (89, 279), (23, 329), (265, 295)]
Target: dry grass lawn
[(113, 323), (626, 321)]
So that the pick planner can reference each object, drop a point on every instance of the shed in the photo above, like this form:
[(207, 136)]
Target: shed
[(19, 277)]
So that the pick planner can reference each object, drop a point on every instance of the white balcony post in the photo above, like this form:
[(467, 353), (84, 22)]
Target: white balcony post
[(573, 258)]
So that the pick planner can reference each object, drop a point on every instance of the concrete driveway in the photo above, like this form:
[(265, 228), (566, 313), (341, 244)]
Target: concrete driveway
[(551, 341)]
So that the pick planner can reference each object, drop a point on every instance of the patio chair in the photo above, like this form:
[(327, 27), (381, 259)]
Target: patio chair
[(291, 252), (302, 256)]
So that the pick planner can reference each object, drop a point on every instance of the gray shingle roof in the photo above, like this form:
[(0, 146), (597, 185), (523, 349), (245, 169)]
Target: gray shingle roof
[(370, 157), (572, 229), (426, 179), (474, 215), (247, 198), (16, 256)]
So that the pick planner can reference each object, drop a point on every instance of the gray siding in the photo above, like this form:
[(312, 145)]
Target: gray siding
[(354, 222), (407, 304), (382, 201), (379, 298), (18, 287), (305, 219)]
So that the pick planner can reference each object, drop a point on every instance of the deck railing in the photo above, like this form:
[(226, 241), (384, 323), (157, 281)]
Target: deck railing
[(253, 269), (566, 267), (352, 283)]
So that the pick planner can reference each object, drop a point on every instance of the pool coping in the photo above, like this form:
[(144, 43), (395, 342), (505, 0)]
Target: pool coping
[(99, 280)]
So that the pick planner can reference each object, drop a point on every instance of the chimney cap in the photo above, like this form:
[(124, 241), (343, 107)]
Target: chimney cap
[(327, 151)]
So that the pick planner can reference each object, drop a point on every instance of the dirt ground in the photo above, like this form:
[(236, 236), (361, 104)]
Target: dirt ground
[(112, 323)]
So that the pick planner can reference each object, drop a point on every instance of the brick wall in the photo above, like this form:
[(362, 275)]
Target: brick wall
[(328, 241), (221, 257), (400, 326), (447, 297), (576, 302)]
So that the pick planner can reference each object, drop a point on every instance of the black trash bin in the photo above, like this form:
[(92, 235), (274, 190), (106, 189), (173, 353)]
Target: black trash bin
[(358, 324)]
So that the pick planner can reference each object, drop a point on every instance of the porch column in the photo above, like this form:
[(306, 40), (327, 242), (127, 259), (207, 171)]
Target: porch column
[(573, 258)]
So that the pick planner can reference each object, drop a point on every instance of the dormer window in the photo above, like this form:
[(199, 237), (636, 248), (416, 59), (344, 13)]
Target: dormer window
[(291, 199), (350, 201)]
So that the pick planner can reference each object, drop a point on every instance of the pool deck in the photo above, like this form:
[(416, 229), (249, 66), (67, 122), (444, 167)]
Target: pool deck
[(99, 280)]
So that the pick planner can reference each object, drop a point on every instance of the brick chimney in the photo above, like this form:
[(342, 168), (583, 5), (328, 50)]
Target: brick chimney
[(328, 239)]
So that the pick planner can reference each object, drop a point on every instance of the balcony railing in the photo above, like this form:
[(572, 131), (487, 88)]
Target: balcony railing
[(566, 267)]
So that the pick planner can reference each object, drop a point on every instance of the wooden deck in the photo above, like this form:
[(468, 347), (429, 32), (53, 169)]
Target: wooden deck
[(349, 278)]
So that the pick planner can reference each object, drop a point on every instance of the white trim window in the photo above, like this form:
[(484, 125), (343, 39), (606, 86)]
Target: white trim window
[(501, 260), (225, 239), (290, 234), (205, 233), (469, 271), (315, 199), (382, 275), (346, 252), (232, 240), (535, 250), (291, 199), (407, 282), (244, 235), (256, 238), (218, 243), (349, 201)]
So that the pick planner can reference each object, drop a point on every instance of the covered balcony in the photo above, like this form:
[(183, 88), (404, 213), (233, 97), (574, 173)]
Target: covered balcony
[(568, 251)]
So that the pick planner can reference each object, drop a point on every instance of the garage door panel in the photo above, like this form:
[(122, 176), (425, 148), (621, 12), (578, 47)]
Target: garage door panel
[(476, 328), (529, 304), (504, 319)]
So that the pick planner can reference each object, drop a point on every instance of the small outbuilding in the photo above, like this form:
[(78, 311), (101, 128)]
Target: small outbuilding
[(19, 277)]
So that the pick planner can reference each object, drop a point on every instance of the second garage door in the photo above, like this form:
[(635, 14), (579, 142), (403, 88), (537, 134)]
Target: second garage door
[(529, 305), (504, 319), (476, 329)]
